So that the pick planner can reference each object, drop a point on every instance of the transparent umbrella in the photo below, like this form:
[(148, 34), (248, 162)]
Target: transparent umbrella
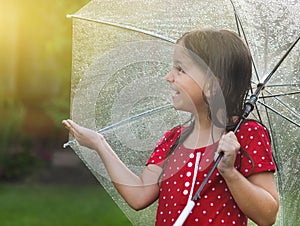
[(122, 51)]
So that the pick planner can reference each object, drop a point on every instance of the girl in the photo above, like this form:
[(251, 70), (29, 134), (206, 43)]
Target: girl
[(243, 184)]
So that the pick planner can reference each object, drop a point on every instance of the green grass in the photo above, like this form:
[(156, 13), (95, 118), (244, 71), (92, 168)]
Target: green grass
[(38, 205)]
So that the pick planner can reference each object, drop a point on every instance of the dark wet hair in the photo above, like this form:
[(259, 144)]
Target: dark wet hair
[(229, 59)]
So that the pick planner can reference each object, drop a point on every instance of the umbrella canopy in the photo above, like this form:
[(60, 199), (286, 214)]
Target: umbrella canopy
[(122, 51)]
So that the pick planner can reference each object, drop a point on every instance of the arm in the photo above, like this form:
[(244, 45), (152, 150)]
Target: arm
[(138, 191), (257, 195)]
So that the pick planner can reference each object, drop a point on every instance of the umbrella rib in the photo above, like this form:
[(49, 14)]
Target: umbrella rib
[(127, 27), (280, 94), (127, 120), (278, 113), (283, 85), (295, 113), (239, 25)]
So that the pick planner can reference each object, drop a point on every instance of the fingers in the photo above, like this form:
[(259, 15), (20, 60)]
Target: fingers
[(70, 125), (228, 143)]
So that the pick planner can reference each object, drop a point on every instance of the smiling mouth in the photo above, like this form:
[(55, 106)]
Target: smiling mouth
[(175, 92)]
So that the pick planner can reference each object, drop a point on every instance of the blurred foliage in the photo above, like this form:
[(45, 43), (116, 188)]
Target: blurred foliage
[(35, 70)]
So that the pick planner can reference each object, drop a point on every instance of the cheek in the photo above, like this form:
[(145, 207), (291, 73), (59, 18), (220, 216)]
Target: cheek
[(195, 94)]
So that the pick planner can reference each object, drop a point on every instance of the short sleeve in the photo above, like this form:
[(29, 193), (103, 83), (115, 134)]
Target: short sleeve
[(255, 141), (160, 152)]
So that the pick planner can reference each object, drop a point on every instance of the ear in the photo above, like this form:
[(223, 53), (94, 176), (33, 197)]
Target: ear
[(211, 88)]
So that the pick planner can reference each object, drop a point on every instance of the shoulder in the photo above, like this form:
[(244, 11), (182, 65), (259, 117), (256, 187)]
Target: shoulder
[(162, 147), (170, 136), (256, 145), (252, 129)]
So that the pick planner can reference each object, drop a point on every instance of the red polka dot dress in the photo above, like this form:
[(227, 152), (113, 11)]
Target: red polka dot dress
[(216, 205)]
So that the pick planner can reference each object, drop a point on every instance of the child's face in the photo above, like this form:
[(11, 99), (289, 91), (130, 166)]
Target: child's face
[(187, 80)]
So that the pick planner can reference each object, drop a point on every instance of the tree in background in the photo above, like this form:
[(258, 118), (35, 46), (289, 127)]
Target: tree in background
[(35, 70)]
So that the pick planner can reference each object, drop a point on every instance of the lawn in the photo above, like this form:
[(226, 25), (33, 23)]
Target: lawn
[(63, 205)]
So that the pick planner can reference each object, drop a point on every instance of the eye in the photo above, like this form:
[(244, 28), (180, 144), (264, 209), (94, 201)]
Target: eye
[(179, 69)]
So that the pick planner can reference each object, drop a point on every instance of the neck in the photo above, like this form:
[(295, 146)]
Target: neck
[(204, 134)]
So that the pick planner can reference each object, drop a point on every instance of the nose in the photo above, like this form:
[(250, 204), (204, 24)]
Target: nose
[(170, 77)]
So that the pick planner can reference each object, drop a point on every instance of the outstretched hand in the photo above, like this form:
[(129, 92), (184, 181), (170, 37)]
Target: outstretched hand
[(229, 145), (85, 137)]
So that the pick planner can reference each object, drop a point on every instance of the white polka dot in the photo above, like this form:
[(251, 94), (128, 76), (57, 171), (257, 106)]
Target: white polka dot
[(190, 164), (191, 155), (185, 192), (187, 184), (204, 211), (188, 174), (196, 220), (251, 137), (259, 143)]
